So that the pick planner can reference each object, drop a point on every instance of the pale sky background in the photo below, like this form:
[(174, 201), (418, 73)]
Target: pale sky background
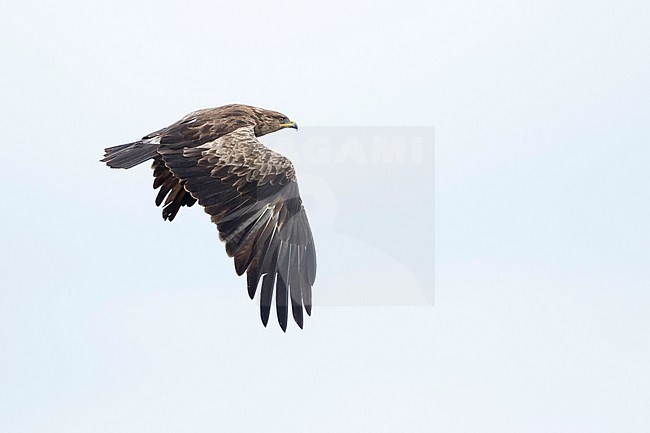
[(112, 320)]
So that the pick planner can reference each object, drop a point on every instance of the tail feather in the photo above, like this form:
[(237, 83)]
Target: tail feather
[(129, 155)]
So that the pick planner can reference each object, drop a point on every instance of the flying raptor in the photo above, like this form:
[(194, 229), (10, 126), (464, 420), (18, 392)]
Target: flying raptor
[(213, 156)]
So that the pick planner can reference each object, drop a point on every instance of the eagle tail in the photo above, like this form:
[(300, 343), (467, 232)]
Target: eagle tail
[(129, 155)]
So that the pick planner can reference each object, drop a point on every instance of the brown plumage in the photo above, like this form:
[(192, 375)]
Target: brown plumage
[(213, 156)]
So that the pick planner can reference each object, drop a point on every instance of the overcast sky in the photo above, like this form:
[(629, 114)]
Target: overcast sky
[(113, 320)]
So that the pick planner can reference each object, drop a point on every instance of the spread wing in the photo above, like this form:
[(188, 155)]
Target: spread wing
[(252, 196)]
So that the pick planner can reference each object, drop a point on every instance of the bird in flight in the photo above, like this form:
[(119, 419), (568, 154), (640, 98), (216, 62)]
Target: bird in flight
[(251, 193)]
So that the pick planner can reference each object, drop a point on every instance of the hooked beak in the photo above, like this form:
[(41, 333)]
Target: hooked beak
[(291, 124)]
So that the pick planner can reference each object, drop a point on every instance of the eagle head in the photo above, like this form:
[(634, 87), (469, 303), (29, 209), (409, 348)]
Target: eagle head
[(270, 121)]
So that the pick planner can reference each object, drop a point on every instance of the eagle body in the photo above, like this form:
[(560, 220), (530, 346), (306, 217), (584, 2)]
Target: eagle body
[(250, 192)]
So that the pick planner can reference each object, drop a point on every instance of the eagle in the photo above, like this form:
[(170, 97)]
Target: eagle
[(212, 156)]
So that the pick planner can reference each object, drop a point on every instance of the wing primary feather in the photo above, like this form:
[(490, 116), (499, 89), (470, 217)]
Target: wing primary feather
[(294, 284), (306, 292), (252, 279), (266, 297), (310, 259), (243, 248), (269, 264), (281, 289), (256, 267), (269, 269)]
